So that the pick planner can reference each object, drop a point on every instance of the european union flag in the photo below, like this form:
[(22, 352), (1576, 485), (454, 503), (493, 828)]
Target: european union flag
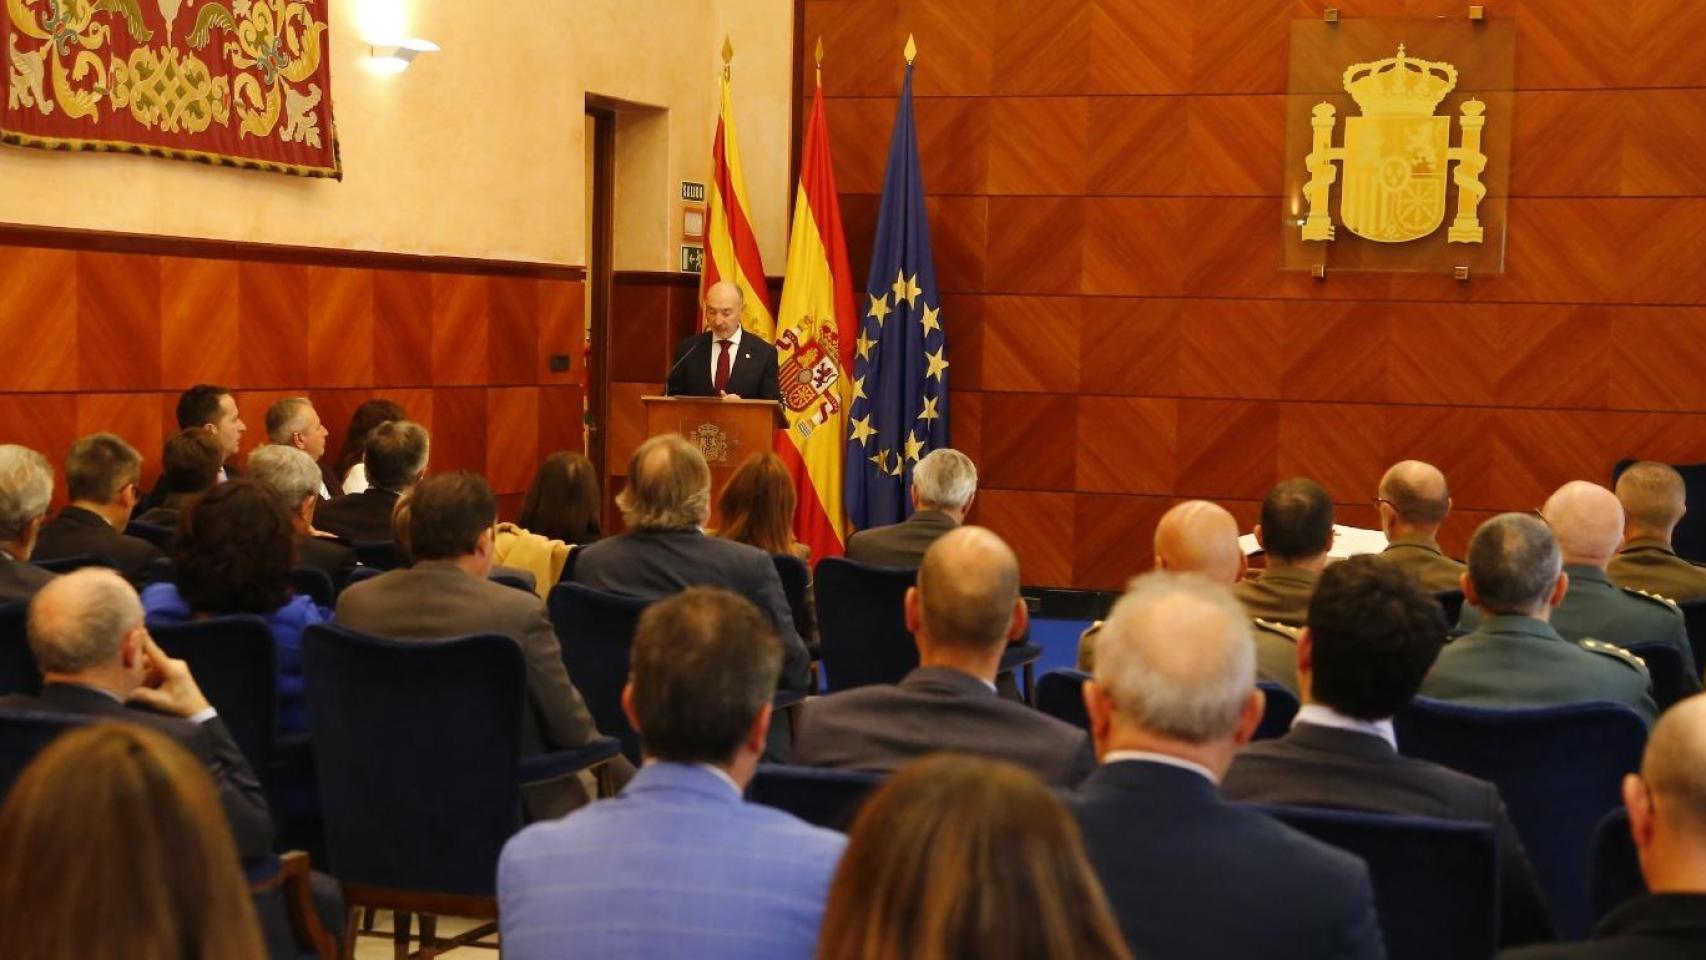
[(900, 368)]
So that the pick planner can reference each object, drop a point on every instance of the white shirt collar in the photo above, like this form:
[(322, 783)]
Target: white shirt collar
[(1115, 756), (1323, 716), (734, 340)]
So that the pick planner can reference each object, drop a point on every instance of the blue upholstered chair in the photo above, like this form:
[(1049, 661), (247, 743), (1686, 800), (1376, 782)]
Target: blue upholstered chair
[(1278, 713), (1616, 868), (1664, 664), (862, 623), (1060, 694), (315, 584), (362, 573), (796, 584), (157, 535), (1694, 616), (824, 798), (417, 747), (25, 733), (18, 671), (596, 632), (1559, 769), (378, 554), (235, 662), (1436, 882)]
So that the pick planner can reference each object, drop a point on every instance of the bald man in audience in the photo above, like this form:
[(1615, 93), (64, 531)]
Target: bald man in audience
[(1588, 522), (293, 422), (1654, 499), (1667, 820), (1188, 874), (1201, 537), (1515, 658), (26, 486), (963, 611), (1414, 500), (1295, 534)]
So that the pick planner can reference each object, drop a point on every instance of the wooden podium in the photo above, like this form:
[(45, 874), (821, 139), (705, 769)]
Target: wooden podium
[(726, 431)]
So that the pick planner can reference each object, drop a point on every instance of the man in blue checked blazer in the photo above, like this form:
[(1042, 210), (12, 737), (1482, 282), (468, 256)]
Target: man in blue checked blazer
[(678, 865)]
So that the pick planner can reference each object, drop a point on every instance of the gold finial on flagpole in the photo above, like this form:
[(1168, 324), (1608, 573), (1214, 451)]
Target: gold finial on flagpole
[(820, 60), (728, 55), (911, 49)]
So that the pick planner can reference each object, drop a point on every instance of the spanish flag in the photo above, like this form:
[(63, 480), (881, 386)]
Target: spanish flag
[(815, 346), (731, 249)]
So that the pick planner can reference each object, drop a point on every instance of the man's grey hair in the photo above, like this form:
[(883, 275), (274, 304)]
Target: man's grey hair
[(287, 417), (1177, 657), (291, 473), (1514, 562), (669, 486), (78, 621), (26, 486), (945, 479)]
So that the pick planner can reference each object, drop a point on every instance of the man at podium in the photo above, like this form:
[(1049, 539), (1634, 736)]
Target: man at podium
[(724, 360)]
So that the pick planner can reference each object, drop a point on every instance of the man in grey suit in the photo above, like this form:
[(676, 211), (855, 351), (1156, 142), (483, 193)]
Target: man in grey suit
[(665, 551), (963, 611), (26, 486), (943, 486), (450, 519)]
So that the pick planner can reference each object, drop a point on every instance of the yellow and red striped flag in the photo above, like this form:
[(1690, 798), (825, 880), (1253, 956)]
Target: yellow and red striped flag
[(815, 346), (731, 250)]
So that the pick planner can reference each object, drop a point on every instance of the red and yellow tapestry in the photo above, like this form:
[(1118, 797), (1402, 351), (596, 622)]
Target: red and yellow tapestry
[(237, 83)]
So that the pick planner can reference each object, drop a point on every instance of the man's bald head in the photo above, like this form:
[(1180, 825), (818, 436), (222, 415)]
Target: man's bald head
[(1674, 766), (724, 304), (78, 622), (1654, 498), (968, 587), (1417, 493), (1199, 537), (1587, 520)]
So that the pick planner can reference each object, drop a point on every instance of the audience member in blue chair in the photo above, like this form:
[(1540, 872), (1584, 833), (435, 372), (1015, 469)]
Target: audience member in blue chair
[(233, 555), (449, 519), (1295, 533), (97, 660), (296, 479), (963, 611), (112, 845), (1373, 633), (1654, 498), (1188, 873), (189, 466), (958, 856), (395, 460), (1667, 820), (678, 865), (944, 484), (26, 487), (665, 506), (293, 422), (1587, 521), (213, 409), (102, 474), (1515, 658), (1414, 501)]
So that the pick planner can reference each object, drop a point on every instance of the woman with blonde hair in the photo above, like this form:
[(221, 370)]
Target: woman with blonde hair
[(757, 507), (959, 857), (113, 844)]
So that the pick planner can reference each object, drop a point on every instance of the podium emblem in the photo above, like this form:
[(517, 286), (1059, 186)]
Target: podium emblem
[(1396, 156), (713, 442)]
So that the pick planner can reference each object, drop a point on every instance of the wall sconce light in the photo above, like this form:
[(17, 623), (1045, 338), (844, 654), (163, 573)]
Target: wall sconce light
[(394, 56)]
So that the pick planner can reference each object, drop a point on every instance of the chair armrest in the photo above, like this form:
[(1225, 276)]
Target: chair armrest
[(550, 766), (288, 872), (1017, 656)]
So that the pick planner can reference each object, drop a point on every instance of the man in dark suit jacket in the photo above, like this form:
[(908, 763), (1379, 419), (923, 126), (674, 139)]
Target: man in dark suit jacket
[(1667, 820), (26, 480), (295, 477), (447, 594), (97, 660), (943, 486), (396, 458), (1373, 633), (1187, 873), (963, 611), (725, 360), (665, 504), (102, 475)]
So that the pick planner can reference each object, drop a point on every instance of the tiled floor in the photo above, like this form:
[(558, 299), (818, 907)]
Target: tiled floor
[(379, 947)]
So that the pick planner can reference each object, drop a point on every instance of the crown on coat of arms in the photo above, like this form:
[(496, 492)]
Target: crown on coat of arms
[(1399, 86)]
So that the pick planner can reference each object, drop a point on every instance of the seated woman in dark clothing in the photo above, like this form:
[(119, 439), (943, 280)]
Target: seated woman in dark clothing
[(232, 555), (560, 513), (189, 465)]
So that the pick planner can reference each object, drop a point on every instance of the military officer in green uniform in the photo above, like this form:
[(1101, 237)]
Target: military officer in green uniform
[(1654, 500), (1414, 501), (1296, 532), (1515, 658), (1587, 521)]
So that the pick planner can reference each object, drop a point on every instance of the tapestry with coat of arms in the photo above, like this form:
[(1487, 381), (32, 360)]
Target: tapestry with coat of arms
[(236, 83)]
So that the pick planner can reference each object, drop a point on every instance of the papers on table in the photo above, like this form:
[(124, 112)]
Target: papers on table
[(1347, 542)]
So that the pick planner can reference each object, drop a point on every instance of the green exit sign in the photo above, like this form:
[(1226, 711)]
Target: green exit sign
[(692, 259)]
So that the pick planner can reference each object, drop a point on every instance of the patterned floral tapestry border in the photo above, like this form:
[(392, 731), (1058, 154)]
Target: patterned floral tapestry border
[(237, 83)]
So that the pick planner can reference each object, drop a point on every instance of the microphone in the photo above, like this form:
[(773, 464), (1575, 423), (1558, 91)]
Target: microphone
[(671, 374)]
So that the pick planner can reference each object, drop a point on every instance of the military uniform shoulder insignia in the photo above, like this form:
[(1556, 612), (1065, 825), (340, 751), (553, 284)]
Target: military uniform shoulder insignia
[(1656, 598), (1615, 652), (1290, 633)]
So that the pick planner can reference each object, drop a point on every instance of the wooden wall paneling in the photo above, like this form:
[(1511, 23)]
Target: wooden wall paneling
[(402, 329), (562, 330), (1554, 356), (859, 223), (1459, 526), (1340, 446), (1127, 445), (639, 347), (1113, 539), (1572, 44), (685, 318), (1660, 253), (1040, 146), (965, 424), (44, 422), (1662, 43), (956, 44), (953, 142), (1240, 46), (199, 332), (1657, 358), (1334, 350), (1028, 441), (1442, 353), (1569, 143), (1536, 451), (459, 429), (862, 40), (340, 326), (1565, 250), (1030, 344), (1129, 347), (963, 325), (1135, 149), (1232, 143), (959, 240), (1232, 348), (512, 438), (561, 419), (864, 124), (1666, 133), (1457, 440), (1036, 244), (461, 321), (1132, 246), (272, 301), (118, 321), (1137, 46), (1227, 448), (139, 423), (1038, 526), (512, 332), (1040, 47), (627, 428), (38, 319)]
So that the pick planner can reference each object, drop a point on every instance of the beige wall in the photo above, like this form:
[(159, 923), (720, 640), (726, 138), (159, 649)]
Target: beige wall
[(476, 151)]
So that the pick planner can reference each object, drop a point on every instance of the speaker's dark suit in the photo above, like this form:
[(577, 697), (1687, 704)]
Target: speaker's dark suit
[(77, 532), (658, 563), (332, 556), (363, 517), (879, 728), (900, 544), (20, 581), (1190, 875), (239, 791), (1321, 766), (752, 368), (1666, 926)]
